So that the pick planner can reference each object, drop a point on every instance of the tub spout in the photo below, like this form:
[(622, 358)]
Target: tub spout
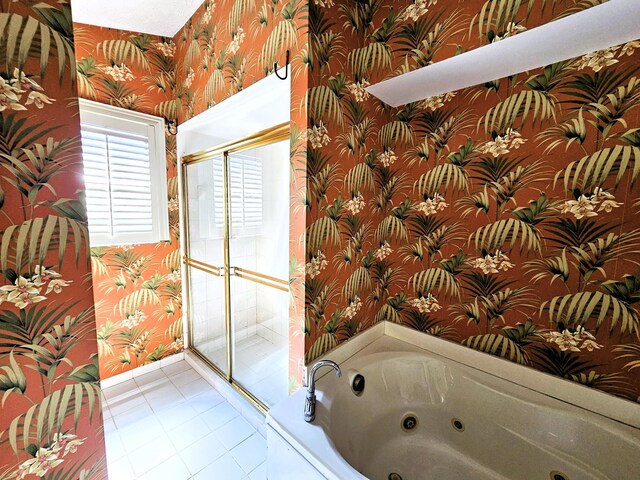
[(310, 402)]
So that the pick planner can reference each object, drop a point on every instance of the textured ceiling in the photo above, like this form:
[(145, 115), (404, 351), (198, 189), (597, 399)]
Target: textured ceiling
[(159, 17)]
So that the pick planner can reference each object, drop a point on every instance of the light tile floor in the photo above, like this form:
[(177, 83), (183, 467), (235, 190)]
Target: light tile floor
[(170, 424)]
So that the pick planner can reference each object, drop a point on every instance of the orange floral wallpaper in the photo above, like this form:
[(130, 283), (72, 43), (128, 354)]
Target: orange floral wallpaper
[(50, 419), (136, 287), (503, 217), (227, 46)]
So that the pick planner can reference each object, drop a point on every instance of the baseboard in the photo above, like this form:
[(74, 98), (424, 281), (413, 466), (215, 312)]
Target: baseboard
[(141, 370)]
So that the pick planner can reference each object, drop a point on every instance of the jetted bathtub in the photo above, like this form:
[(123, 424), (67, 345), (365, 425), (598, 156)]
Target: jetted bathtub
[(422, 416)]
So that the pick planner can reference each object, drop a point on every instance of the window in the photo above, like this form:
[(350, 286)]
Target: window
[(125, 175)]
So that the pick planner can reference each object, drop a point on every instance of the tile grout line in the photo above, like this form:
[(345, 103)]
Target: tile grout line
[(156, 414)]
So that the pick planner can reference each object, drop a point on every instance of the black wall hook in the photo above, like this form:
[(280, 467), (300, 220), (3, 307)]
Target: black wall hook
[(286, 72)]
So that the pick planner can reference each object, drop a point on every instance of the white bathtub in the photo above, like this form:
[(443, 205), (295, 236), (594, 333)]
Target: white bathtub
[(471, 425)]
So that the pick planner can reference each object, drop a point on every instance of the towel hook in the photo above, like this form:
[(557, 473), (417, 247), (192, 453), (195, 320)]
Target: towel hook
[(286, 72)]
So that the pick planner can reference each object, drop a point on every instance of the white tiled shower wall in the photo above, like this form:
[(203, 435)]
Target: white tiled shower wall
[(257, 309)]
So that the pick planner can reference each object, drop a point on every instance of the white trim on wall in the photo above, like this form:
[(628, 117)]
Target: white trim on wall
[(122, 120)]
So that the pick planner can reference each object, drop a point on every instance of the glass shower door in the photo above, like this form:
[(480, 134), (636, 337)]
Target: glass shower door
[(259, 257), (205, 260), (236, 215)]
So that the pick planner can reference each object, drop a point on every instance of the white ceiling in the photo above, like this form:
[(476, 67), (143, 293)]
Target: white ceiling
[(159, 17)]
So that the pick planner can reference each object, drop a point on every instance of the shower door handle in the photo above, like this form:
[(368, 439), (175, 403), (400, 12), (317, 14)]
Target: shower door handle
[(232, 271), (262, 279), (205, 267)]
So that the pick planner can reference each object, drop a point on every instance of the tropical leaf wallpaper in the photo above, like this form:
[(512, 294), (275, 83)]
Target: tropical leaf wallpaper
[(50, 419), (503, 217), (226, 47), (136, 287)]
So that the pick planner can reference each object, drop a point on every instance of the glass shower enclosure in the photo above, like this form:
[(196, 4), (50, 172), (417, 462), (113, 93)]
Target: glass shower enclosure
[(236, 213)]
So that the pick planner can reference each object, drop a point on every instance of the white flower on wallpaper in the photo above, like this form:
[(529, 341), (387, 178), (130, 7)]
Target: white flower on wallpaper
[(177, 345), (387, 157), (120, 73), (603, 58), (316, 265), (354, 306), (191, 76), (426, 304), (238, 38), (573, 341), (132, 320), (11, 92), (324, 3), (432, 205), (9, 96), (38, 99), (383, 251), (23, 292), (207, 15), (585, 205), (598, 60), (503, 144), (418, 9), (437, 101), (318, 135), (67, 442), (356, 204), (46, 459), (511, 30), (27, 289), (629, 48), (358, 90), (168, 49), (492, 263), (173, 276)]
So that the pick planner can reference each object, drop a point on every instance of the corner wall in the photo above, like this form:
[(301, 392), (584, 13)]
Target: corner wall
[(50, 419), (137, 287), (465, 216)]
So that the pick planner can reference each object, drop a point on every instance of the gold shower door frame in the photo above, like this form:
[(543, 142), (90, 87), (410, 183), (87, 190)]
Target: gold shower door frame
[(262, 138)]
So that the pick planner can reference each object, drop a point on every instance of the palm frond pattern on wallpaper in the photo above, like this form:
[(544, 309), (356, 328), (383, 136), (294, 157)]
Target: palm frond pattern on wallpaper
[(503, 217), (50, 419)]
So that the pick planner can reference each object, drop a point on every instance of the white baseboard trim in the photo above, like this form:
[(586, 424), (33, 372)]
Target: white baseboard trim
[(136, 372)]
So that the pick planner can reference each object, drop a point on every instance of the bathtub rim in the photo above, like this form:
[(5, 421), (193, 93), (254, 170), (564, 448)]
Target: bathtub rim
[(572, 393)]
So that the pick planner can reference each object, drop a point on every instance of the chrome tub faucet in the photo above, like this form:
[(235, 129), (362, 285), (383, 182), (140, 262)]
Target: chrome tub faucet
[(310, 402)]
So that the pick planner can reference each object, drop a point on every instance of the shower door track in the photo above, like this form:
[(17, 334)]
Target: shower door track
[(265, 137)]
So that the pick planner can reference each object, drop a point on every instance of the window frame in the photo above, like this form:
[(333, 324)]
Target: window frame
[(109, 117)]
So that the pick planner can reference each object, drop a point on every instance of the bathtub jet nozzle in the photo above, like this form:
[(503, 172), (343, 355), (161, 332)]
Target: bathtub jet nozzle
[(310, 401)]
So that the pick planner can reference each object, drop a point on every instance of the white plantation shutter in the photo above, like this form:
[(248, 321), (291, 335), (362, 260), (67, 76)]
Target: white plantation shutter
[(245, 191), (125, 175), (252, 192), (218, 194)]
